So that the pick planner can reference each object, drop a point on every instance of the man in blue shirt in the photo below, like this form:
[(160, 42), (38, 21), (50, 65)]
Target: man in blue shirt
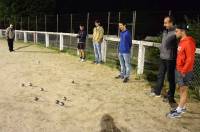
[(124, 52)]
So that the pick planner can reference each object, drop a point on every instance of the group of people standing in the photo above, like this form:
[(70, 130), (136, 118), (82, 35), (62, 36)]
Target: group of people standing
[(98, 34), (124, 47), (177, 55)]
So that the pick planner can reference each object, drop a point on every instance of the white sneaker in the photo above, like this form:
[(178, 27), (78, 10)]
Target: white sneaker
[(173, 114), (183, 110), (152, 94)]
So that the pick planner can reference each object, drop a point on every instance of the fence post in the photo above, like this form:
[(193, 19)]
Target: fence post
[(4, 21), (133, 30), (170, 13), (47, 39), (104, 50), (88, 18), (15, 23), (45, 23), (35, 37), (133, 24), (141, 57), (71, 22), (25, 37), (21, 24), (1, 35), (61, 42), (108, 26), (119, 19), (36, 26), (57, 23), (28, 23), (15, 35)]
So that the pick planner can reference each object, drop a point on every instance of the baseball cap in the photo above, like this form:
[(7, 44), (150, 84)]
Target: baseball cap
[(183, 26)]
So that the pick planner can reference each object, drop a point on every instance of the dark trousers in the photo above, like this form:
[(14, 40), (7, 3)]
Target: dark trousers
[(169, 67), (10, 44)]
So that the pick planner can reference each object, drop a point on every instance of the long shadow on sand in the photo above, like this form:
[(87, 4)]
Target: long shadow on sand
[(191, 117), (44, 52), (23, 47)]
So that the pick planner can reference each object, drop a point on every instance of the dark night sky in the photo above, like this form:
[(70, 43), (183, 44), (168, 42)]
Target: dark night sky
[(64, 6), (144, 10)]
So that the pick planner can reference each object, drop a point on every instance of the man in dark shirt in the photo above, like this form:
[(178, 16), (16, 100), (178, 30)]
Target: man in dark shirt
[(168, 53), (82, 42)]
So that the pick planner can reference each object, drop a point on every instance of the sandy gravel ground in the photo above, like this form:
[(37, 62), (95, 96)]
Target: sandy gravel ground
[(96, 102)]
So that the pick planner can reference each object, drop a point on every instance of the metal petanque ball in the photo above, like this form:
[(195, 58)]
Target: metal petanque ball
[(64, 98), (57, 101), (36, 98), (41, 89), (23, 85), (30, 84), (62, 104)]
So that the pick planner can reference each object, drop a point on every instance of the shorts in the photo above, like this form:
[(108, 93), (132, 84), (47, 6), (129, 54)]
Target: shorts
[(81, 46), (184, 81)]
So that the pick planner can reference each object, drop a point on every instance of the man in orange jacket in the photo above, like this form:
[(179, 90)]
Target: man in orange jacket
[(184, 67)]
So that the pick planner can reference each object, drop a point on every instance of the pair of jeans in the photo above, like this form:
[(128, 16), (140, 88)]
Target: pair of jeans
[(125, 60), (97, 52), (169, 67), (10, 44)]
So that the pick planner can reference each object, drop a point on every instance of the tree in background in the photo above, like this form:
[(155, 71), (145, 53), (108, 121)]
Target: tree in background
[(11, 8), (194, 26)]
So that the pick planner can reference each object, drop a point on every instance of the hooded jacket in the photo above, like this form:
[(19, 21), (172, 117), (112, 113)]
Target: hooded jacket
[(125, 42), (186, 55)]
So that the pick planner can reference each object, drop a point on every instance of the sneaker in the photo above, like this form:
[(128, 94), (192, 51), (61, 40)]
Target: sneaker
[(152, 94), (126, 79), (83, 60), (119, 77), (101, 62), (183, 110), (173, 114)]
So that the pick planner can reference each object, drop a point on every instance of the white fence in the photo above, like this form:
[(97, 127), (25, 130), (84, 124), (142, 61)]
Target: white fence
[(141, 44)]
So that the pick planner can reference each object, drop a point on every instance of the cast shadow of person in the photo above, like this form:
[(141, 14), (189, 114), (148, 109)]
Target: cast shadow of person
[(23, 47), (107, 124)]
